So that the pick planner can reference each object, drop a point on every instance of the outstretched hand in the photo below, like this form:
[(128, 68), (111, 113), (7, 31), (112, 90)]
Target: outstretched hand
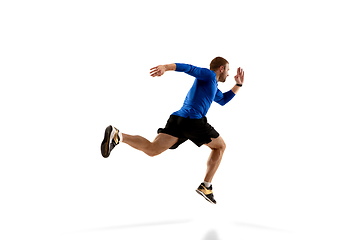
[(157, 71), (239, 78)]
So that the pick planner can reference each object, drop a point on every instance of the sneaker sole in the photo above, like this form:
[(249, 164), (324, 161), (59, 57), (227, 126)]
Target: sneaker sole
[(106, 142), (202, 194)]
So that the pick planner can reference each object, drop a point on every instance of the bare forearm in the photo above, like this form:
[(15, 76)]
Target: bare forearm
[(170, 67), (235, 89)]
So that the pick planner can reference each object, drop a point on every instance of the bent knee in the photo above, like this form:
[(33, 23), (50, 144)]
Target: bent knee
[(152, 152), (217, 144), (222, 146)]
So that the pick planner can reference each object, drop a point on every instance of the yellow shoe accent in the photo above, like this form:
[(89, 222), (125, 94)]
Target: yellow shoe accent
[(116, 138), (205, 190)]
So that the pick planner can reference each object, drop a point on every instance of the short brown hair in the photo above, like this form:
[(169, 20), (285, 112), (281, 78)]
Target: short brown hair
[(218, 62)]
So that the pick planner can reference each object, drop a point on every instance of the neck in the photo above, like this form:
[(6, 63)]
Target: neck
[(217, 75)]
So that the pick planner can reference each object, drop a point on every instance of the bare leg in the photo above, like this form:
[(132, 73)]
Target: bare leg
[(161, 143), (217, 146)]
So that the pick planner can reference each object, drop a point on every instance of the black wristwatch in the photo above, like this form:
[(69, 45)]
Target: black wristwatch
[(240, 85)]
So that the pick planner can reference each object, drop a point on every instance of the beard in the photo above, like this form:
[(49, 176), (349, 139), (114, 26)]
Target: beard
[(222, 78)]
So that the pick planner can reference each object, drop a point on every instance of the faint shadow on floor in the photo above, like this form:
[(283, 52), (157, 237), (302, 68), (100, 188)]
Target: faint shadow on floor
[(136, 225), (211, 235), (259, 227)]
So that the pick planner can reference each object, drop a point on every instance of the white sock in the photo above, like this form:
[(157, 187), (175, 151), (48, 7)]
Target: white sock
[(120, 136), (207, 184)]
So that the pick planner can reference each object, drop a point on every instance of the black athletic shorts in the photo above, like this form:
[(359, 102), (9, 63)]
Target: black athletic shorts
[(199, 131)]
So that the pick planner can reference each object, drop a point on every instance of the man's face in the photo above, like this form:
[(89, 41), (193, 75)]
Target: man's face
[(224, 73)]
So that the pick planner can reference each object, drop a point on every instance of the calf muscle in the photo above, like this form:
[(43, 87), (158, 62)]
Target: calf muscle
[(217, 146)]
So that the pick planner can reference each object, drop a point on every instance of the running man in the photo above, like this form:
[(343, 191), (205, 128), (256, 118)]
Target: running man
[(190, 121)]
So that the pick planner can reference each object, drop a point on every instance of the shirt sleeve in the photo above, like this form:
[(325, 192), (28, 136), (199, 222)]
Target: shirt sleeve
[(223, 98), (203, 74)]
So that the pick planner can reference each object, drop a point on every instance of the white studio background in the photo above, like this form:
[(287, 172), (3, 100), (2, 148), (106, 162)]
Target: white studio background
[(68, 69)]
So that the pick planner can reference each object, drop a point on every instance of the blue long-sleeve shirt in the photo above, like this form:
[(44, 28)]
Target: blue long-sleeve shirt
[(203, 92)]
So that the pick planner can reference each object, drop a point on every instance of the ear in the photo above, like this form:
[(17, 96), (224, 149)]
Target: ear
[(221, 69)]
